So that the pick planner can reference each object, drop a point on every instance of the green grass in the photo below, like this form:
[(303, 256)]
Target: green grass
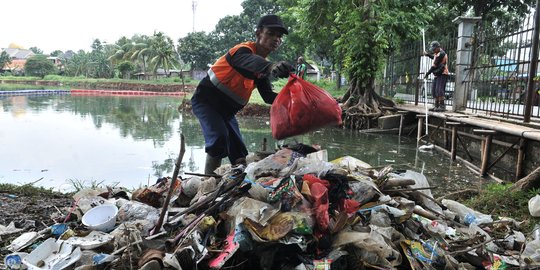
[(498, 200), (13, 87), (82, 79), (26, 190), (327, 85)]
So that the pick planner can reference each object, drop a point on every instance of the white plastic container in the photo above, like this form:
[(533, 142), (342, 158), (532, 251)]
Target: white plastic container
[(101, 218), (52, 254)]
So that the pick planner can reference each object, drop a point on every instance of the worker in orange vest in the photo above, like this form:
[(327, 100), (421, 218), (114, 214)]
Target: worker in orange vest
[(227, 89)]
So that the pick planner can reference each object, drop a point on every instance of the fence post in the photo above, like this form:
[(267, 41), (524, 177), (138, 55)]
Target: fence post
[(463, 59), (533, 66)]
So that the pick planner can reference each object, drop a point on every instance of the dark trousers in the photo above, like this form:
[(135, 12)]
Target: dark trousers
[(439, 86), (221, 133)]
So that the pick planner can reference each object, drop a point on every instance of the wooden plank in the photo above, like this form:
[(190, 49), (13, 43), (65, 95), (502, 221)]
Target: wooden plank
[(485, 131), (486, 152)]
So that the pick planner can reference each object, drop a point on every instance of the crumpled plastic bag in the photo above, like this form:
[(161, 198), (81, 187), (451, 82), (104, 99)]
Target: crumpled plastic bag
[(270, 165), (534, 206)]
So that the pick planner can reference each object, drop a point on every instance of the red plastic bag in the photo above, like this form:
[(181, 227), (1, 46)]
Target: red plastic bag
[(301, 107)]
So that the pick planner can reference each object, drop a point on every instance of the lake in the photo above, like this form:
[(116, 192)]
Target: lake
[(62, 140)]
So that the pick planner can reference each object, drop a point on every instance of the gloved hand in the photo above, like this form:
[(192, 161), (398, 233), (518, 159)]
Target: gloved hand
[(426, 76), (281, 69)]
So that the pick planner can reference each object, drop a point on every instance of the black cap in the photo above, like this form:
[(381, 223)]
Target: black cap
[(272, 21), (434, 44)]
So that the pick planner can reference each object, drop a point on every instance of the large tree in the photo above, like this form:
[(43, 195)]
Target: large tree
[(163, 53), (4, 59), (231, 30), (364, 31), (39, 65), (100, 65), (197, 49), (36, 50)]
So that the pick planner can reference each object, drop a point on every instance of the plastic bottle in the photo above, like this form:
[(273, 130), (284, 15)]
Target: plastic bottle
[(466, 214), (531, 253)]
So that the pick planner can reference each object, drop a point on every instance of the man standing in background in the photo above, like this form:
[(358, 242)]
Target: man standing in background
[(301, 67), (439, 68)]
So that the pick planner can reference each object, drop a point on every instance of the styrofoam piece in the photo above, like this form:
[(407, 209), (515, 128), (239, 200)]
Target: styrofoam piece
[(53, 255), (93, 240), (23, 241), (101, 218)]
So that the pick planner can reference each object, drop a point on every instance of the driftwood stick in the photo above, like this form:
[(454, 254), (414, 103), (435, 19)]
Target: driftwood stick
[(457, 193), (203, 174), (397, 182), (470, 248), (171, 187), (410, 189)]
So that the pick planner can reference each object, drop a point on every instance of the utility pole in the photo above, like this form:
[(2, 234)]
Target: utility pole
[(193, 8)]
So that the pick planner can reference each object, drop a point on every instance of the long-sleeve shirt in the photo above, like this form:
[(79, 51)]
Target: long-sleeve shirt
[(249, 65)]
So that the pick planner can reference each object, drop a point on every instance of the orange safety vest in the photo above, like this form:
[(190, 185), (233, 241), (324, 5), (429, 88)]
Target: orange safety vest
[(230, 81), (444, 61)]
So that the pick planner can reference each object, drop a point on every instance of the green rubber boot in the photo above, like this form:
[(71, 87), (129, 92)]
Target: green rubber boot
[(212, 163)]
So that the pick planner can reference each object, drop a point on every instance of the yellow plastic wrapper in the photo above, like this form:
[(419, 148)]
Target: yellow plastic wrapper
[(207, 223)]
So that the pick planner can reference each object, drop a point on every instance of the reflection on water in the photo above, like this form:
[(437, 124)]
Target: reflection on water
[(134, 140)]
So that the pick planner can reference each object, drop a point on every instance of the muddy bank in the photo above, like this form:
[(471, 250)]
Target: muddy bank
[(251, 109), (109, 85)]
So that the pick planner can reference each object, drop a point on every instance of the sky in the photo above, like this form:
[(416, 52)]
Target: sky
[(74, 24)]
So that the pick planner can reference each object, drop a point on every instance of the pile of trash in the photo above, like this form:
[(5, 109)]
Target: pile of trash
[(292, 209)]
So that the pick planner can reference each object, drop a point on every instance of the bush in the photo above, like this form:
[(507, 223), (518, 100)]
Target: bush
[(39, 65)]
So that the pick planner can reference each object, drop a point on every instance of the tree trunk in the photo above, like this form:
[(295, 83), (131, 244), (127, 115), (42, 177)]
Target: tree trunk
[(528, 182), (362, 105)]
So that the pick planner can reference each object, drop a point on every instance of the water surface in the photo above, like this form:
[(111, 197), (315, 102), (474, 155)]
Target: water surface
[(131, 141)]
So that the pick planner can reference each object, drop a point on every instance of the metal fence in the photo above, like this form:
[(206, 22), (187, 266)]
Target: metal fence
[(498, 75), (404, 73), (497, 78)]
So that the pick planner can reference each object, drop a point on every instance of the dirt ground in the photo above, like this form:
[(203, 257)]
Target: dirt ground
[(31, 211), (249, 110), (21, 208)]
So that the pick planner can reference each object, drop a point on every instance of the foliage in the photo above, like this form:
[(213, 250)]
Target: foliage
[(231, 30), (398, 100), (4, 59), (57, 53), (79, 185), (317, 41), (126, 68), (39, 65), (499, 200), (364, 32), (26, 190), (65, 80), (197, 48), (164, 55), (36, 50), (99, 65)]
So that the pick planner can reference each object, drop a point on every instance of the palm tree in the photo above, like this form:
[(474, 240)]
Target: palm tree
[(120, 50), (164, 55), (141, 50)]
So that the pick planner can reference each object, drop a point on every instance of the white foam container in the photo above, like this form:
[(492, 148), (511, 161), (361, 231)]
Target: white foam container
[(101, 218)]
